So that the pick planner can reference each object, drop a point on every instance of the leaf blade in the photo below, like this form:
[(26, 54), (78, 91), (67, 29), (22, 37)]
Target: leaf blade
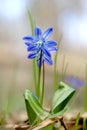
[(61, 97), (33, 107)]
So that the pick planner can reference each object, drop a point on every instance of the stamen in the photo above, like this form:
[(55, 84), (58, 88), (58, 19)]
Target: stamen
[(39, 42)]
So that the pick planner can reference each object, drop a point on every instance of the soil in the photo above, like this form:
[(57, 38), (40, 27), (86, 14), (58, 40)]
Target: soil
[(19, 121)]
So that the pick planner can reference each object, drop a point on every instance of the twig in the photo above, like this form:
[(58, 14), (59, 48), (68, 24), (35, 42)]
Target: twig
[(47, 122), (63, 124)]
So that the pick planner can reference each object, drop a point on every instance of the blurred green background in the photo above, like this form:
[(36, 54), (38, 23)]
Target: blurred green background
[(67, 17)]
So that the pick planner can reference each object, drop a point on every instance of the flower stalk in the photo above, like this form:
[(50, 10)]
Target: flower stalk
[(39, 85), (39, 92), (43, 82)]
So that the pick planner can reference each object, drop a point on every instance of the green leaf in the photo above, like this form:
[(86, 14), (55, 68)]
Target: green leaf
[(49, 127), (57, 114), (34, 109), (61, 97)]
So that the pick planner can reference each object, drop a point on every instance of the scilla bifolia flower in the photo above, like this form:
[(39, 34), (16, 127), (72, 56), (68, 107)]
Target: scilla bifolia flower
[(40, 47)]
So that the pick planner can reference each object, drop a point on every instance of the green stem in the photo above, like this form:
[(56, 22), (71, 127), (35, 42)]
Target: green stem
[(39, 89), (43, 84), (35, 74)]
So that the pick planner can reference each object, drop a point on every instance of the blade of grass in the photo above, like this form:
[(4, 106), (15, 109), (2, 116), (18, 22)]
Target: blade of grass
[(85, 91), (7, 106), (64, 68), (74, 100), (84, 124), (77, 122), (12, 87), (55, 66), (35, 68), (31, 21)]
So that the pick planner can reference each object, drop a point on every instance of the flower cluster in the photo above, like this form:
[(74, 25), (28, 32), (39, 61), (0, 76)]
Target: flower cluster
[(40, 47)]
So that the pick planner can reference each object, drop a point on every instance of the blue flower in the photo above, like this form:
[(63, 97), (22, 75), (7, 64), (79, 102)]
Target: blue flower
[(75, 82), (40, 47)]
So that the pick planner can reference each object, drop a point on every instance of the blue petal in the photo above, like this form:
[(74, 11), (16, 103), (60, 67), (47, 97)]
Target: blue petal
[(27, 43), (51, 43), (46, 52), (47, 33), (52, 49), (40, 62), (37, 32), (32, 47), (48, 60), (28, 38), (32, 55)]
